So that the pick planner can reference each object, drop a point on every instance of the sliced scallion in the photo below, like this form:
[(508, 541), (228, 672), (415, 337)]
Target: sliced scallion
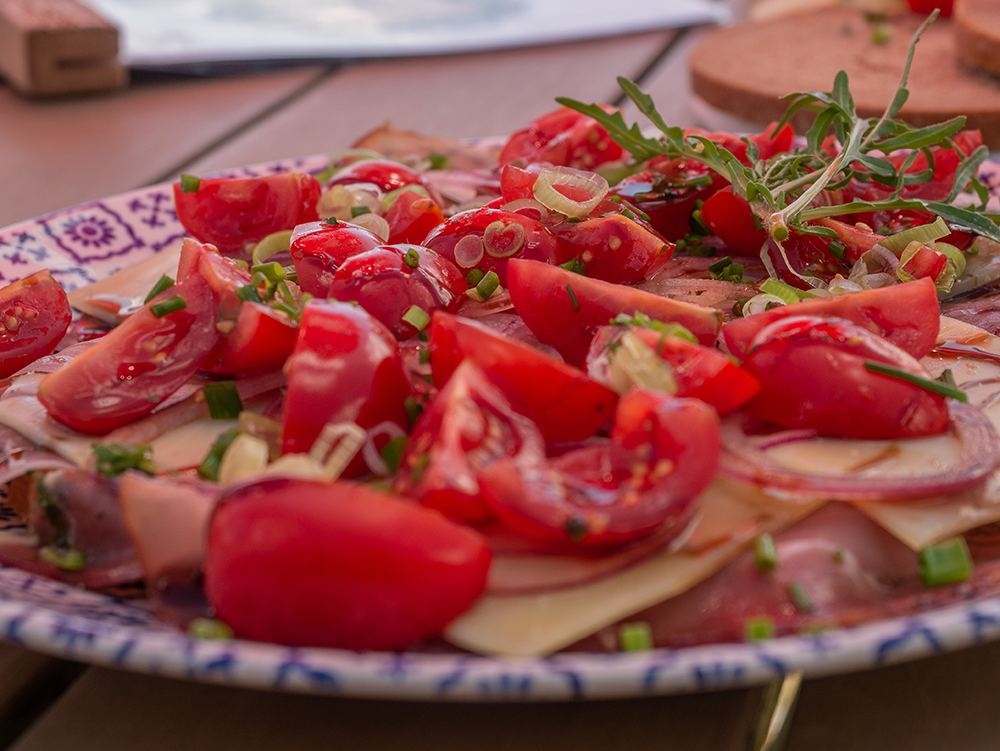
[(575, 265), (411, 258), (272, 271), (209, 628), (947, 562), (248, 293), (784, 292), (112, 459), (765, 554), (800, 597), (635, 637), (357, 211), (223, 400), (392, 453), (474, 277), (190, 184), (572, 298), (489, 284), (163, 283), (64, 559), (936, 387), (209, 467), (417, 317), (167, 307), (756, 629)]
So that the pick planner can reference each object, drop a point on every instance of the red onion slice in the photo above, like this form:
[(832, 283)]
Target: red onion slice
[(745, 458)]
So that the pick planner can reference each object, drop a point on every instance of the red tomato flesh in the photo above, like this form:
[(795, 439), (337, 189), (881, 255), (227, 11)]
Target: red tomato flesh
[(338, 565), (540, 296), (319, 248), (34, 316)]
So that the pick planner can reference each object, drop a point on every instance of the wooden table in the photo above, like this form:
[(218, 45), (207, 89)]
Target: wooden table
[(55, 154)]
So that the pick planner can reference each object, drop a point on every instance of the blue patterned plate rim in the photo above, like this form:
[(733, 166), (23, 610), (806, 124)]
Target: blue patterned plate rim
[(87, 242)]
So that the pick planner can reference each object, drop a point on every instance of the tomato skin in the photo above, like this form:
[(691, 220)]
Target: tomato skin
[(924, 7), (662, 454), (729, 218), (34, 316), (126, 373), (233, 213), (470, 424), (700, 372), (384, 173), (908, 315), (338, 565), (517, 183), (262, 340), (498, 232), (562, 137), (383, 284), (813, 376), (222, 274), (411, 218), (564, 403), (540, 297), (345, 367), (614, 248), (318, 249)]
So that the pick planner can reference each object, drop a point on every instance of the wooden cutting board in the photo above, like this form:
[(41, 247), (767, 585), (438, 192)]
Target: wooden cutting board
[(744, 70)]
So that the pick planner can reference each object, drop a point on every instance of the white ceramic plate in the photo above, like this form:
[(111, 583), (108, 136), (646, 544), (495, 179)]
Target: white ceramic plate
[(88, 242)]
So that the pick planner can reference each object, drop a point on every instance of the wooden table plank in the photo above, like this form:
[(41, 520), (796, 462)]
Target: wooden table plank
[(55, 154), (28, 682), (105, 710), (472, 95)]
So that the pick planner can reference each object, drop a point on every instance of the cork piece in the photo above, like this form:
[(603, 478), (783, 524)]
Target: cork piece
[(744, 70), (54, 47), (977, 33)]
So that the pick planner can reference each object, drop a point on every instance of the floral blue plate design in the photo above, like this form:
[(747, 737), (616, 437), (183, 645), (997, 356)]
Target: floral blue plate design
[(85, 243)]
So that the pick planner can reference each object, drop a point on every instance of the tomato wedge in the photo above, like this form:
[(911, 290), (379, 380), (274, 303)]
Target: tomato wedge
[(234, 213), (469, 425), (565, 404), (34, 316), (564, 309), (126, 373), (338, 565), (662, 454)]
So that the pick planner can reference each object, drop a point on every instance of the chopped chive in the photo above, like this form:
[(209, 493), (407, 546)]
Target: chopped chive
[(719, 265), (209, 467), (474, 277), (413, 409), (800, 597), (424, 355), (615, 199), (936, 387), (756, 629), (248, 293), (576, 527), (411, 258), (223, 400), (838, 250), (273, 271), (164, 282), (357, 211), (209, 628), (488, 285), (190, 184), (947, 562), (332, 221), (765, 554), (392, 453), (635, 637), (167, 307), (64, 559), (572, 299), (112, 459), (575, 265), (417, 317), (573, 219)]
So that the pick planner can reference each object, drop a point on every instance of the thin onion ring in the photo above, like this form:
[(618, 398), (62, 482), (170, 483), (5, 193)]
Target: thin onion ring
[(744, 459)]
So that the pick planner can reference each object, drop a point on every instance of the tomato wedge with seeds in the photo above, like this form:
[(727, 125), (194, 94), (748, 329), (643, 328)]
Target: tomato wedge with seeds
[(564, 403), (128, 372), (662, 454), (614, 247), (564, 309), (261, 340), (34, 316), (338, 565), (470, 424)]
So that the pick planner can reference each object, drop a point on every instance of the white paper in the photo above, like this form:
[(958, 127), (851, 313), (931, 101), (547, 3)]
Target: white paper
[(157, 33)]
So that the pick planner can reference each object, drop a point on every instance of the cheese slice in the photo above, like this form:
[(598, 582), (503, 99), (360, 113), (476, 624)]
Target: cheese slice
[(538, 624), (20, 410)]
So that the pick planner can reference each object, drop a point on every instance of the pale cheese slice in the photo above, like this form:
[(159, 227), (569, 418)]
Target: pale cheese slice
[(923, 523), (21, 411), (115, 297), (538, 624)]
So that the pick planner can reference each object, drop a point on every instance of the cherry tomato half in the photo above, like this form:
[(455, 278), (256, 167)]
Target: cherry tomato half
[(614, 247), (34, 316), (469, 425), (319, 248), (338, 565), (662, 454), (562, 137), (234, 213), (813, 376)]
